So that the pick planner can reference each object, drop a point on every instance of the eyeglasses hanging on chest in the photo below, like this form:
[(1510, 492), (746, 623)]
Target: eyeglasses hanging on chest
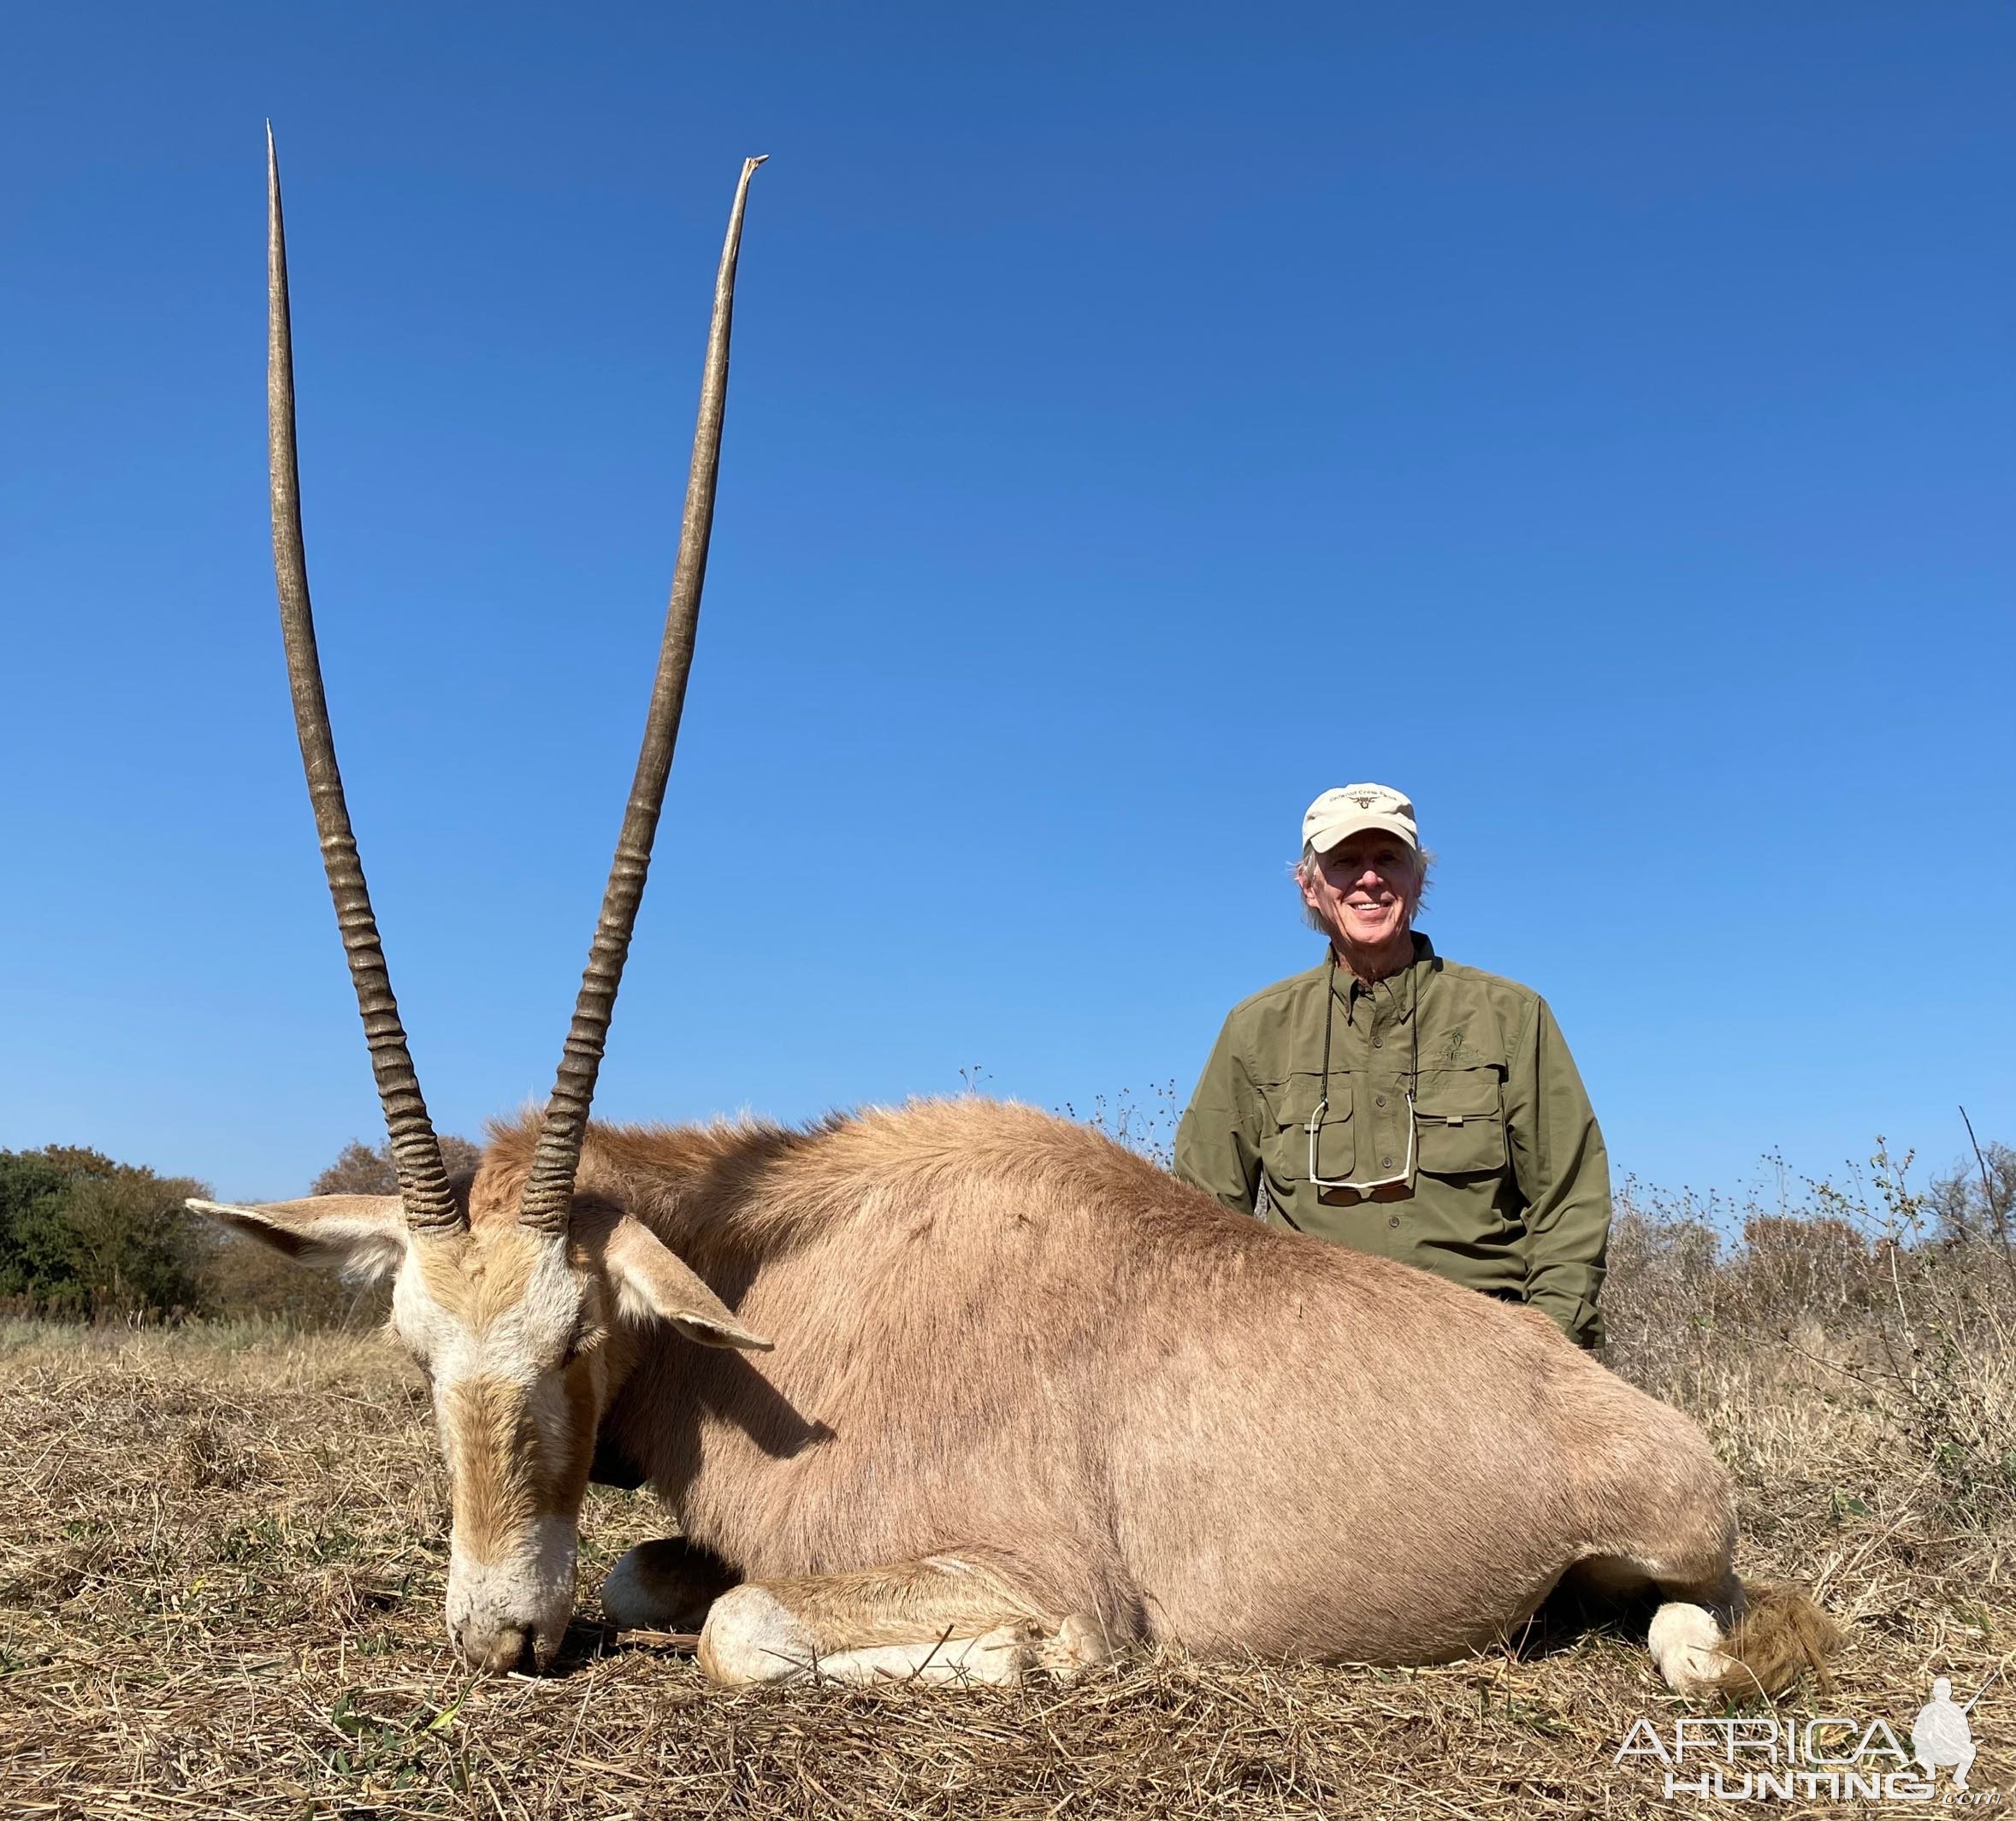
[(1368, 1188)]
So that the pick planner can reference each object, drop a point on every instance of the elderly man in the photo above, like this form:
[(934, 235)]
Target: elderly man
[(1395, 1101)]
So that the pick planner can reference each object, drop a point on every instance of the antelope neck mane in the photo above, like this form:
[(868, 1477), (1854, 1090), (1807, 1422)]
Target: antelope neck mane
[(742, 1189), (691, 1185)]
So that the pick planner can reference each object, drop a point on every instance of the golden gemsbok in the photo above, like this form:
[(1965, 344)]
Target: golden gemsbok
[(960, 1388)]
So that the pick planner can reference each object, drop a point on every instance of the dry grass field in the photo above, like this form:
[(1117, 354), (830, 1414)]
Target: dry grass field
[(222, 1552)]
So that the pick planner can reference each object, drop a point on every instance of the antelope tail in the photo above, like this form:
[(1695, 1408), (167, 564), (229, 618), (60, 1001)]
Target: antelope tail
[(1780, 1636)]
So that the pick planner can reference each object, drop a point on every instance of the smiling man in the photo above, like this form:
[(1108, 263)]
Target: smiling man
[(1395, 1101)]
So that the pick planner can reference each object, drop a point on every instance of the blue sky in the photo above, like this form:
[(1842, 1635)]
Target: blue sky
[(1599, 422)]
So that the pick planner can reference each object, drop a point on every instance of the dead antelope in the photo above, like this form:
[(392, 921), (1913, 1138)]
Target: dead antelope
[(1029, 1398)]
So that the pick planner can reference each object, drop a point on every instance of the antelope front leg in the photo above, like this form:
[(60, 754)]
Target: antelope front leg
[(667, 1586), (941, 1618)]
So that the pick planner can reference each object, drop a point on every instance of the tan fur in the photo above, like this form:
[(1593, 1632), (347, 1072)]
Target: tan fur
[(492, 1499), (1780, 1636), (1026, 1385), (1001, 1337), (957, 1596), (500, 1482)]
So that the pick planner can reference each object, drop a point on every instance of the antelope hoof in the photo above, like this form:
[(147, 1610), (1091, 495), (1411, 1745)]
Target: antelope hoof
[(661, 1586), (751, 1636), (1081, 1643)]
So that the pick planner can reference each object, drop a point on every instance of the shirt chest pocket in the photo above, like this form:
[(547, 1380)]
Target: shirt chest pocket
[(1460, 1119), (1292, 1104)]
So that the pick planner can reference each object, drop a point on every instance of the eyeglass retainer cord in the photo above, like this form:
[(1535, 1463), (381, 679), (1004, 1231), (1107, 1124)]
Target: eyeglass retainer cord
[(1315, 1118)]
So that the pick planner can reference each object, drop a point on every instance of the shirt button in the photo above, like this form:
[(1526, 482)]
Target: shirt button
[(1385, 1163), (1379, 1043), (1382, 1100), (1392, 1220)]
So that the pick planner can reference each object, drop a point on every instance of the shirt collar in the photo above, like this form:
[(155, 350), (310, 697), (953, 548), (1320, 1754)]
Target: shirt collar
[(1396, 989)]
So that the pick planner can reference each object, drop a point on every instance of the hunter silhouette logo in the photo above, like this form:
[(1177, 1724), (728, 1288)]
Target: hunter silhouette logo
[(1829, 1759), (1941, 1738)]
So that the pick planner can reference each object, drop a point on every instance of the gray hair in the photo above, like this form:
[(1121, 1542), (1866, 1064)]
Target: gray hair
[(1424, 867)]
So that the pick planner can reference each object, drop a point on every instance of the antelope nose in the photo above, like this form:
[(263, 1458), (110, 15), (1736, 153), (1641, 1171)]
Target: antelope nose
[(497, 1653)]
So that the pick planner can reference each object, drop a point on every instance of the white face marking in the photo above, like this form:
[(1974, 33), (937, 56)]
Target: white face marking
[(528, 1590), (495, 1378), (517, 1343)]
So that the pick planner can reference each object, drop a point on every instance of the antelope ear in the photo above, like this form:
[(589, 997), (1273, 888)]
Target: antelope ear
[(362, 1237), (652, 1281)]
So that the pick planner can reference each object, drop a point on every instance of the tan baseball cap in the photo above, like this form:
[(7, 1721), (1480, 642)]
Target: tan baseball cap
[(1339, 814)]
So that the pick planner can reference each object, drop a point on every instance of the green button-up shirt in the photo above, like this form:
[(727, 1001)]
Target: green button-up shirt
[(1510, 1190)]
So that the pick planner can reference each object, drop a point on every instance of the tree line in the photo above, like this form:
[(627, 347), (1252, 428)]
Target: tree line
[(85, 1238)]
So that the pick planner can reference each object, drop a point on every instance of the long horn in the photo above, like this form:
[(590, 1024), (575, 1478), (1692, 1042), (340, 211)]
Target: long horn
[(423, 1182), (549, 1187)]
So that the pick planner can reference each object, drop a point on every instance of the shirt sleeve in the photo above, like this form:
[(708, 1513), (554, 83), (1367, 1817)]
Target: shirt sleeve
[(1217, 1142), (1563, 1173)]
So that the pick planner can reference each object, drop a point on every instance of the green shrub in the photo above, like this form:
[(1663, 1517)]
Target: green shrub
[(83, 1236)]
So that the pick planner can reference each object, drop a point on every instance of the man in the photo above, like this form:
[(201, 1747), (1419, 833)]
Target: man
[(1397, 1102)]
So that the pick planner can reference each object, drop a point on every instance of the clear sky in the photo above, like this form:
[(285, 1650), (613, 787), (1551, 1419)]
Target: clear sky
[(1599, 422)]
